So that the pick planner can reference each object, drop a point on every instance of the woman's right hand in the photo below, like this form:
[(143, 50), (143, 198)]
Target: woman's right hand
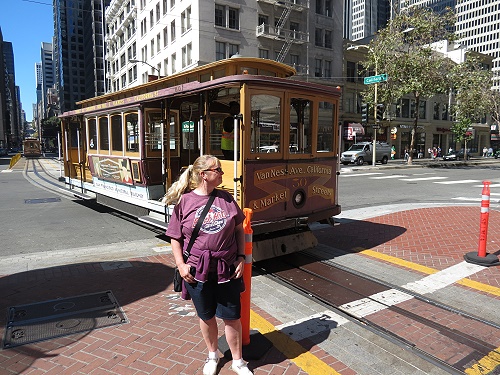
[(185, 271)]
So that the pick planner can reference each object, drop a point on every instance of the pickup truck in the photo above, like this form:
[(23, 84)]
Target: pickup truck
[(359, 153)]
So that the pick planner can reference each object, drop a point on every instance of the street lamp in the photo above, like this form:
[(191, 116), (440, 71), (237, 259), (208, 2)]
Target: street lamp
[(144, 62)]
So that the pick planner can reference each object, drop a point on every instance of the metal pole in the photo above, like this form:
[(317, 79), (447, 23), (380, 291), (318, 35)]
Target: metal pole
[(374, 156)]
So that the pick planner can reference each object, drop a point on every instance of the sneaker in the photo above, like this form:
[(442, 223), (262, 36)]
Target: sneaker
[(241, 370), (210, 367)]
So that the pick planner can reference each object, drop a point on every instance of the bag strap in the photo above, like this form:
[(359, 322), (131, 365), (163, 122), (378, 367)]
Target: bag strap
[(196, 229)]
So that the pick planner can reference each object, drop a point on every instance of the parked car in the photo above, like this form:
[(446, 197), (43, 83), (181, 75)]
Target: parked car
[(455, 155)]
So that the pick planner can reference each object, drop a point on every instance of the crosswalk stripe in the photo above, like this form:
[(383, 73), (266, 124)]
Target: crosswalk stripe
[(387, 177), (423, 178), (360, 174), (455, 182)]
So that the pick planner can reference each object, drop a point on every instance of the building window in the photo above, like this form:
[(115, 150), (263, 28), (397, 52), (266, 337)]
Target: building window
[(318, 67), (294, 60), (186, 55), (318, 37), (165, 36), (351, 71), (234, 19), (173, 62), (233, 49), (263, 20), (158, 43), (328, 39), (220, 15), (172, 3), (158, 13), (227, 17), (151, 19), (263, 53), (220, 51), (328, 69), (172, 31)]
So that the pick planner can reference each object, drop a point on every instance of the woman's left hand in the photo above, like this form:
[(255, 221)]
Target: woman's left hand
[(239, 263)]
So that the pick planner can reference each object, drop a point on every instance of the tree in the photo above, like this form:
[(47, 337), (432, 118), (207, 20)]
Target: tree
[(403, 51), (474, 97)]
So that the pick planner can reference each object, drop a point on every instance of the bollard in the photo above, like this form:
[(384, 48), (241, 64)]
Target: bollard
[(483, 222), (482, 258), (255, 344), (247, 277)]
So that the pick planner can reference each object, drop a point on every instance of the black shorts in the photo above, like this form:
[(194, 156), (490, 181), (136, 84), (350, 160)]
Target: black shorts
[(213, 299)]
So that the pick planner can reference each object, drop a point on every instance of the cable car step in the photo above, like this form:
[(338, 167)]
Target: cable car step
[(154, 222)]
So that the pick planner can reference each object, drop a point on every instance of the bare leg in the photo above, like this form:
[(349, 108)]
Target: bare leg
[(232, 328), (210, 333)]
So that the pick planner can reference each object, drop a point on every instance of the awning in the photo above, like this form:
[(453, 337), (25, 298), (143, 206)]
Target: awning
[(353, 130)]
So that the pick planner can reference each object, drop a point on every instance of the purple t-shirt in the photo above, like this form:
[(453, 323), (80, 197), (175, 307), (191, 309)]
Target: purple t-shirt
[(217, 231)]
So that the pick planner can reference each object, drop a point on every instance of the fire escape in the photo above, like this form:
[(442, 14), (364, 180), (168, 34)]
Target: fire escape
[(279, 32)]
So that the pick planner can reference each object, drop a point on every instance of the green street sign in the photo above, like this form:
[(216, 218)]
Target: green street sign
[(188, 127), (375, 79)]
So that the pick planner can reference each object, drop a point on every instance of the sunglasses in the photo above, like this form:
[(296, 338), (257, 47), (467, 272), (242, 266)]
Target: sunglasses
[(218, 170)]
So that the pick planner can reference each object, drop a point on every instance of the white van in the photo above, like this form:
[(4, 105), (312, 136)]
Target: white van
[(361, 152)]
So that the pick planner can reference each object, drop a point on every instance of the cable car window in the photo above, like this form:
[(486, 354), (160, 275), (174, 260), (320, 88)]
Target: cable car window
[(103, 133), (174, 135), (73, 137), (116, 133), (265, 122), (153, 131), (326, 121), (92, 125), (132, 126), (300, 141)]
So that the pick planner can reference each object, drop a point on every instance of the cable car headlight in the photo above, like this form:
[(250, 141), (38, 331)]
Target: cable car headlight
[(299, 198)]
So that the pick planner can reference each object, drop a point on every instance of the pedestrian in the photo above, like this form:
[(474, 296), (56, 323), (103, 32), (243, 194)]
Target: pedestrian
[(450, 150), (485, 151), (393, 152), (490, 152), (212, 273), (431, 153)]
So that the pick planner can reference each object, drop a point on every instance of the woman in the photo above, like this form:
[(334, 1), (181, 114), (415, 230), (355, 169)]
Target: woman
[(212, 273)]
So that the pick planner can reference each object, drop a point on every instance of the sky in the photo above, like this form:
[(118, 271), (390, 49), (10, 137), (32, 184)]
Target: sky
[(26, 24)]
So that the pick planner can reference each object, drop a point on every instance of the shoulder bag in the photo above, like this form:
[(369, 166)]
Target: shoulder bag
[(185, 254)]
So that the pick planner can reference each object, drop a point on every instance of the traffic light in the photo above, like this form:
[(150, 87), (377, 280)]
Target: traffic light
[(380, 112), (364, 113)]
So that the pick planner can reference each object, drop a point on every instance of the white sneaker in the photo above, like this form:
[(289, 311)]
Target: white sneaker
[(210, 367), (241, 370)]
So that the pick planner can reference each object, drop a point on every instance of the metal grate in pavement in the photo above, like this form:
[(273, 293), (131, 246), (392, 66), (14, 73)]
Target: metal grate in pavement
[(61, 317), (42, 200)]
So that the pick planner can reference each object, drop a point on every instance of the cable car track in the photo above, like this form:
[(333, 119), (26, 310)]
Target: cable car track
[(454, 340)]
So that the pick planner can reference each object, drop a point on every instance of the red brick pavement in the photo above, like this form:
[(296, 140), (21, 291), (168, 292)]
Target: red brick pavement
[(162, 336), (433, 237)]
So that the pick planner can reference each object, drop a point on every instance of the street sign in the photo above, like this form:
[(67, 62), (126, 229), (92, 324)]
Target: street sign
[(375, 79), (188, 127), (376, 126)]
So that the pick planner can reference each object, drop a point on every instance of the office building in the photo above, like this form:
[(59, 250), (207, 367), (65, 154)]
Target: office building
[(145, 39)]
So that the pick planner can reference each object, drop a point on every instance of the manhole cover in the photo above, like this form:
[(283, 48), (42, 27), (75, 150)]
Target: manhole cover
[(60, 317)]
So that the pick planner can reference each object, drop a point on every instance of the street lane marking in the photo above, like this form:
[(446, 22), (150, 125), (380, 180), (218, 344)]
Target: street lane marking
[(291, 349), (456, 182), (386, 177), (360, 174), (423, 178), (424, 269)]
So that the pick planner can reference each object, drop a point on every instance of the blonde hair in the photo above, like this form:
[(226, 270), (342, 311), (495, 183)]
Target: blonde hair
[(190, 179)]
